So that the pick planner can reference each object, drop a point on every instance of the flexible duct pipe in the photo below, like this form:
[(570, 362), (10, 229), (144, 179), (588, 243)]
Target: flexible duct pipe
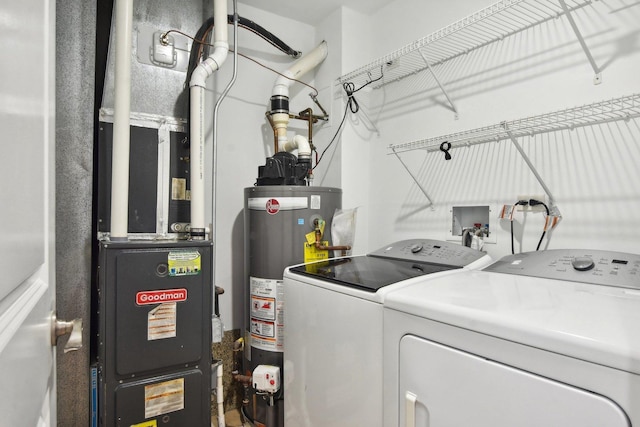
[(197, 87), (121, 113), (280, 93)]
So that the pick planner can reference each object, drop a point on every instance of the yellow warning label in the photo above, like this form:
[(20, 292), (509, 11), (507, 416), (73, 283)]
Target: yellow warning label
[(312, 254), (184, 263), (311, 237), (151, 423)]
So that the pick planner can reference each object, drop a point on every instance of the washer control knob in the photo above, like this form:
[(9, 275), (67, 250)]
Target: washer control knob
[(416, 247), (582, 263)]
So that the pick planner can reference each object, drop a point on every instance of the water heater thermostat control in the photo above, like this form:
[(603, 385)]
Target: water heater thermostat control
[(266, 378)]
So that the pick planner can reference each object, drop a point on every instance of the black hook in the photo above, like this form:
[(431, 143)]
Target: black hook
[(445, 147)]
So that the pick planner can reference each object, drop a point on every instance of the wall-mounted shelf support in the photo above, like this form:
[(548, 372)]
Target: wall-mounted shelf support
[(415, 179), (435, 77), (597, 79), (623, 108), (529, 163), (488, 25)]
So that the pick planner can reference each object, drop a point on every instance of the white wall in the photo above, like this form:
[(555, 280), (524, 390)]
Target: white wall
[(591, 171), (245, 139)]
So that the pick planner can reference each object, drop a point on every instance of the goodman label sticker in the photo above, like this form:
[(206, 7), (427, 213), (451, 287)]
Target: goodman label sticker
[(160, 296)]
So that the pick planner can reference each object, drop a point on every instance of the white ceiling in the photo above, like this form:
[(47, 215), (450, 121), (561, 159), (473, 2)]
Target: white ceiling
[(313, 11)]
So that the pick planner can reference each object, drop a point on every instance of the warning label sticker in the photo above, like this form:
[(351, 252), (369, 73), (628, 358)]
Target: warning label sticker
[(161, 322), (164, 397), (152, 423), (184, 263), (263, 308), (264, 329), (267, 312)]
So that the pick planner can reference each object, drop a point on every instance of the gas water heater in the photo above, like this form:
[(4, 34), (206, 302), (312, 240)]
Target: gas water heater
[(281, 224)]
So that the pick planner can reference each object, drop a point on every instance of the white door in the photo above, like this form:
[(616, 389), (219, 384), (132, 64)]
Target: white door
[(27, 288)]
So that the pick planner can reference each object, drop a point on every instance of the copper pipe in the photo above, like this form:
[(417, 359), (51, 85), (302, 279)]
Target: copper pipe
[(322, 247), (275, 132), (244, 379)]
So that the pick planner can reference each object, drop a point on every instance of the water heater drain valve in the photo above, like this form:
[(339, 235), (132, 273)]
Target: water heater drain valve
[(266, 378)]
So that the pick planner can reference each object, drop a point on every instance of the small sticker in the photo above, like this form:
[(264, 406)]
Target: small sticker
[(164, 397), (161, 322), (179, 189), (300, 221), (184, 263), (152, 423), (315, 202)]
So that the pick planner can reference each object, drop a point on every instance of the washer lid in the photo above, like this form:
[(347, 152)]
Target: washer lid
[(368, 273), (392, 263), (594, 323)]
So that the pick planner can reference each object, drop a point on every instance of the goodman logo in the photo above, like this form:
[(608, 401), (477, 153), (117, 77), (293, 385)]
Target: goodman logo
[(157, 297)]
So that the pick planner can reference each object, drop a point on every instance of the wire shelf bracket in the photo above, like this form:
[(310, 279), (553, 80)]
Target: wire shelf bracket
[(442, 88), (529, 163), (597, 79), (415, 179)]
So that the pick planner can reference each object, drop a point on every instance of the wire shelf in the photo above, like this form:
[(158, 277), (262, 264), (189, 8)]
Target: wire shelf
[(623, 108), (484, 27)]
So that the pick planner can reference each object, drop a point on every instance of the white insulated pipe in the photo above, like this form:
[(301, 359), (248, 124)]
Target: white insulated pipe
[(121, 121), (197, 86), (220, 398), (300, 68), (280, 92)]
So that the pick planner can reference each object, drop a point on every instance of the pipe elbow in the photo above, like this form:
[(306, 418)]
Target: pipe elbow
[(210, 65), (299, 143), (299, 68)]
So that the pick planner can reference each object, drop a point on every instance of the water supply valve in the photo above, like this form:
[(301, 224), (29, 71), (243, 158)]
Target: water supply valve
[(266, 378)]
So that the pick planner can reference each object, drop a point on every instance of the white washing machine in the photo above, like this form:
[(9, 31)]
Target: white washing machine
[(537, 339), (333, 328)]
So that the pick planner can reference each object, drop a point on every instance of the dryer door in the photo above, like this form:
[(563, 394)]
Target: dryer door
[(444, 387)]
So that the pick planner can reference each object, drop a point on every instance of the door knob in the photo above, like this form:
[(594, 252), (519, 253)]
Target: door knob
[(62, 327)]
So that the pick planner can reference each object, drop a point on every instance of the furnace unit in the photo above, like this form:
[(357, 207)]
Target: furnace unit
[(154, 339)]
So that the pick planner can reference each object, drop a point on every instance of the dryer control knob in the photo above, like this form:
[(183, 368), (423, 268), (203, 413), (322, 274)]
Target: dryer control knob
[(416, 247), (582, 263)]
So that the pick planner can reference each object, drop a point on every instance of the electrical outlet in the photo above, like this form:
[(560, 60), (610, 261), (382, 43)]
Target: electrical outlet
[(537, 208)]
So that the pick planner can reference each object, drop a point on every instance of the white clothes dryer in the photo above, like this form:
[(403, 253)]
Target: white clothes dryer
[(333, 327), (537, 339)]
